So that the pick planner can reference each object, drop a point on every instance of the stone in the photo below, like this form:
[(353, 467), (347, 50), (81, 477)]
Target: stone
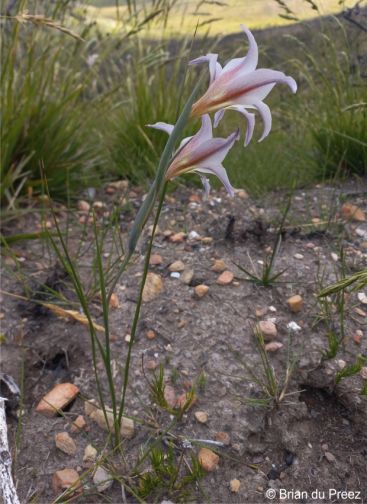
[(208, 459), (79, 424), (90, 406), (362, 297), (90, 455), (201, 290), (363, 373), (151, 334), (201, 416), (55, 400), (65, 443), (83, 206), (65, 479), (177, 266), (273, 346), (219, 265), (151, 364), (153, 287), (261, 311), (207, 240), (357, 337), (114, 301), (267, 329), (293, 326), (186, 400), (223, 437), (177, 237), (175, 274), (225, 278), (352, 212), (102, 479), (187, 276), (234, 485), (170, 396), (298, 256), (127, 428), (295, 303), (155, 260), (330, 457)]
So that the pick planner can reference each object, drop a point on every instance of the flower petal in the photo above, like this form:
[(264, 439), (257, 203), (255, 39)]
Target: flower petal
[(213, 151), (220, 172), (206, 184), (265, 113), (250, 118), (218, 116), (168, 128), (249, 62), (214, 67)]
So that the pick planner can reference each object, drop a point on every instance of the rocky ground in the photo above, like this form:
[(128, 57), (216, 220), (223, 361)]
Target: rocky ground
[(199, 321)]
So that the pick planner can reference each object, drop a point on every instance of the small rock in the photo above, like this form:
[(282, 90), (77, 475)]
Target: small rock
[(127, 428), (273, 346), (175, 274), (65, 443), (65, 479), (114, 301), (90, 455), (59, 397), (225, 278), (341, 363), (293, 326), (176, 266), (295, 303), (186, 399), (153, 287), (362, 297), (363, 373), (201, 416), (193, 235), (352, 212), (360, 312), (127, 338), (234, 485), (201, 290), (330, 457), (334, 257), (208, 459), (219, 266), (170, 396), (241, 193), (177, 237), (267, 329), (357, 337), (298, 256), (223, 437), (155, 260), (151, 334), (102, 479), (90, 406), (151, 364), (83, 206), (79, 424), (325, 447), (261, 311), (207, 240), (187, 276)]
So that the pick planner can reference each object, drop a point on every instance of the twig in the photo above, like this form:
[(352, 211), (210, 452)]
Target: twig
[(7, 487)]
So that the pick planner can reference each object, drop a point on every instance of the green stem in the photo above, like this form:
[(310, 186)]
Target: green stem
[(139, 304)]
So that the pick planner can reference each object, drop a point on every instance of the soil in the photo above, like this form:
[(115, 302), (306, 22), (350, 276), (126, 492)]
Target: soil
[(313, 441)]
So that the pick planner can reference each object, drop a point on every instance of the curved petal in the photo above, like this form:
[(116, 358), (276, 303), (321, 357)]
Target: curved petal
[(218, 116), (265, 113), (214, 67), (250, 118), (212, 152), (249, 62), (168, 128), (206, 184), (204, 134), (220, 172)]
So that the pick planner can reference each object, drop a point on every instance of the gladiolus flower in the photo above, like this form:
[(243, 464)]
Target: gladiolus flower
[(239, 86), (201, 154)]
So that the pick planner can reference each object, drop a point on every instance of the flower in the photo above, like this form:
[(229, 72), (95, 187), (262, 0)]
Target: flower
[(200, 154), (239, 86)]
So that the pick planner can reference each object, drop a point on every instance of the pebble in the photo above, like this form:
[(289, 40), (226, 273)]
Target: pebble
[(295, 303), (193, 235), (334, 257), (151, 334), (175, 274), (153, 287), (234, 485), (90, 455), (187, 276), (127, 429), (67, 478), (176, 266), (363, 373), (201, 290), (298, 256), (362, 297), (225, 278), (260, 312), (352, 212), (267, 329), (357, 337), (201, 416), (102, 479), (170, 396), (56, 399), (273, 346), (79, 424), (177, 237), (219, 265), (293, 326), (208, 459), (83, 206), (330, 457), (223, 437), (114, 301), (207, 240), (151, 365), (182, 400), (155, 260), (65, 443)]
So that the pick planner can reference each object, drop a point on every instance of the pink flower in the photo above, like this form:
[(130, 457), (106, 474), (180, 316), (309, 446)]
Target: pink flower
[(239, 86), (200, 154)]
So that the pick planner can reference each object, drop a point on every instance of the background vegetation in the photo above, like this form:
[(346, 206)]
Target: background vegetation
[(75, 98)]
